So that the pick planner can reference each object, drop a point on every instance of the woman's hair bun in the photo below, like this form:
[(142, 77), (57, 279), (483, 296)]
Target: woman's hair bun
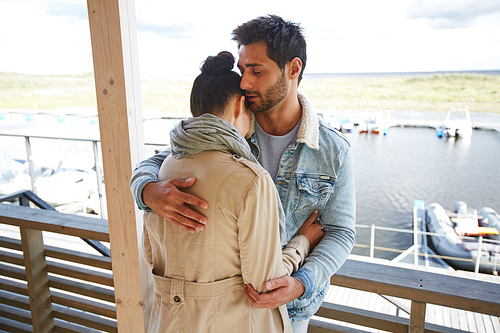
[(222, 63)]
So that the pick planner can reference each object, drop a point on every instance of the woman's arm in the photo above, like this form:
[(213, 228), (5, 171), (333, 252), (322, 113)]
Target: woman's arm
[(260, 251), (299, 247)]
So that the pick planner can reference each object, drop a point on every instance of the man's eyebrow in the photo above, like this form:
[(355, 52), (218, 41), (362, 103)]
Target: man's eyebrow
[(250, 65)]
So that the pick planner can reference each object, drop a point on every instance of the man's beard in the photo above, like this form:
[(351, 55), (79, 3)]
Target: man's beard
[(272, 96)]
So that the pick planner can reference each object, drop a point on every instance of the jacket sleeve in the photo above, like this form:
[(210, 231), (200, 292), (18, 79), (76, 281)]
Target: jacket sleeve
[(258, 234), (146, 172)]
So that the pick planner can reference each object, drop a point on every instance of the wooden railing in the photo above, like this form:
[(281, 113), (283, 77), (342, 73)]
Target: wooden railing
[(50, 289), (45, 289)]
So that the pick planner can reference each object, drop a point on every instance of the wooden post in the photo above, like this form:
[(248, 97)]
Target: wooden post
[(38, 280), (114, 48), (417, 317)]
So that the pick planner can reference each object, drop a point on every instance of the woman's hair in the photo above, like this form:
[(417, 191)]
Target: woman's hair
[(215, 86), (284, 39)]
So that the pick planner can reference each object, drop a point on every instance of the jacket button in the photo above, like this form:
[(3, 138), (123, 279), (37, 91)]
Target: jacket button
[(177, 299)]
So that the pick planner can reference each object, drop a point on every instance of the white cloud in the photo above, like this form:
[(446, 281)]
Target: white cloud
[(452, 14), (32, 41), (52, 36)]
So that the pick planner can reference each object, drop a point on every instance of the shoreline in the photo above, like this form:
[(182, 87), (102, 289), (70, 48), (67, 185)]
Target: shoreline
[(319, 76)]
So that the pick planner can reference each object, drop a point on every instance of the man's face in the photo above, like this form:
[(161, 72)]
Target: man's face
[(264, 83)]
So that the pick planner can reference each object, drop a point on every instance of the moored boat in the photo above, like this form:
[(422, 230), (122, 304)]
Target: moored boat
[(457, 123), (455, 236)]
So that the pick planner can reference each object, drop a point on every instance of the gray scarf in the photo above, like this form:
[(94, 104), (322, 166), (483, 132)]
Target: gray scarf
[(208, 132)]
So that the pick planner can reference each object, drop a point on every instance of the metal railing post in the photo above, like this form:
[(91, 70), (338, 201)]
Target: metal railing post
[(372, 242), (99, 177), (415, 236), (478, 258), (30, 164)]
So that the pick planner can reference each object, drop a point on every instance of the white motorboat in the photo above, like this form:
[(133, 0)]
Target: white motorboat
[(457, 123)]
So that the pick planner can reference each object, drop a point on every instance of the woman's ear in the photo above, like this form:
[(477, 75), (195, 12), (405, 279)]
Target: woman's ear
[(239, 106)]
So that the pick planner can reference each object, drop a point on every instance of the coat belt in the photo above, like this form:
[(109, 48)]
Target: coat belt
[(179, 289)]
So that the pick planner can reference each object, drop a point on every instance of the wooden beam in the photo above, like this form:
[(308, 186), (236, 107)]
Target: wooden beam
[(114, 49), (38, 280), (417, 317)]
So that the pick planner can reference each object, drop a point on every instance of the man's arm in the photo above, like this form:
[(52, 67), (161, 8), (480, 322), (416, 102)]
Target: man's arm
[(338, 220), (164, 197)]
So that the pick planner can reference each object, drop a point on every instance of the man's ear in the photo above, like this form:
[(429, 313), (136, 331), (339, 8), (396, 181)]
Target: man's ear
[(239, 106), (295, 68)]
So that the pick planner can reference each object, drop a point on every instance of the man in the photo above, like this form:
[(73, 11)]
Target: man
[(310, 163)]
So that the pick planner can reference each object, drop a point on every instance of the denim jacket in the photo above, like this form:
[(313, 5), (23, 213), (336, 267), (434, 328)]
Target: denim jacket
[(316, 172)]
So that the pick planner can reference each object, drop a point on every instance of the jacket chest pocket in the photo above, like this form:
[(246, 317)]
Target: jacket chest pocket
[(313, 192)]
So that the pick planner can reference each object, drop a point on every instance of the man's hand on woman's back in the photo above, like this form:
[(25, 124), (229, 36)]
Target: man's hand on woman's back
[(166, 200)]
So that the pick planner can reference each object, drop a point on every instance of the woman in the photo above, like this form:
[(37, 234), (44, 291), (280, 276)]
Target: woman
[(199, 277)]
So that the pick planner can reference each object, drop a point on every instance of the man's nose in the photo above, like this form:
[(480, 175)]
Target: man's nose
[(245, 83)]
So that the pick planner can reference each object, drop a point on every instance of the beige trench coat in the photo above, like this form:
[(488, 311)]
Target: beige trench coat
[(199, 277)]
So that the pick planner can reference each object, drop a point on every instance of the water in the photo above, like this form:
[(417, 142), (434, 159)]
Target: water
[(391, 171), (413, 163)]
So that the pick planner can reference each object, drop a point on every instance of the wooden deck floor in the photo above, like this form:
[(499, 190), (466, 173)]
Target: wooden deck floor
[(439, 315)]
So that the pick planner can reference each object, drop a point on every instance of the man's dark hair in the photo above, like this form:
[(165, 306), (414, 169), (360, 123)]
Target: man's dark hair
[(284, 39)]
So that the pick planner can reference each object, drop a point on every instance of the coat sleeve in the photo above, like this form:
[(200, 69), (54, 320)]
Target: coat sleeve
[(147, 251), (294, 254), (258, 236)]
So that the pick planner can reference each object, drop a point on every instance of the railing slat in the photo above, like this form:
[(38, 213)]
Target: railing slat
[(84, 319), (14, 300), (82, 289), (12, 272), (361, 317), (78, 257), (15, 326), (65, 327), (53, 221), (11, 243), (83, 304), (12, 258), (19, 315), (80, 273), (14, 287), (317, 326)]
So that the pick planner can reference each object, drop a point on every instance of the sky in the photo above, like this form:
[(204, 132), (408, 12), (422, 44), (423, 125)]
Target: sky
[(174, 37)]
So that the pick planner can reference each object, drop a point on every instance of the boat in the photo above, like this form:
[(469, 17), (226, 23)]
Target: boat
[(457, 123), (372, 122), (66, 187), (341, 124), (455, 236)]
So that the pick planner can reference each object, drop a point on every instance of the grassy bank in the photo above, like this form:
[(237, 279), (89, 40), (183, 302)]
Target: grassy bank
[(427, 92)]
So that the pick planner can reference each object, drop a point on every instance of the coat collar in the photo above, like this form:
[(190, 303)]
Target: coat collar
[(309, 126)]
